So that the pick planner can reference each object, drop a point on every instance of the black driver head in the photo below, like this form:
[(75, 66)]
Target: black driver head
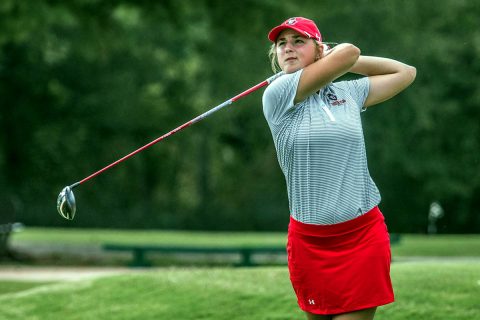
[(66, 203)]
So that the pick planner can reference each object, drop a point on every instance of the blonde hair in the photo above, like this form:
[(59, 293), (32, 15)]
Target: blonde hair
[(272, 55)]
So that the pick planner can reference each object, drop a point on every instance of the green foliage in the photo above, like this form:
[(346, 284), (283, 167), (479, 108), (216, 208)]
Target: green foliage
[(85, 82)]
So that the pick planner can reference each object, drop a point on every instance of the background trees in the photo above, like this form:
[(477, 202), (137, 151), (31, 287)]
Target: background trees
[(83, 83)]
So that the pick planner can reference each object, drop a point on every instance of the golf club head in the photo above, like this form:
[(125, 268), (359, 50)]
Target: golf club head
[(66, 203)]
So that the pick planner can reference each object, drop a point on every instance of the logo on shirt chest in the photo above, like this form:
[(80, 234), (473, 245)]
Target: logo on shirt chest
[(333, 100)]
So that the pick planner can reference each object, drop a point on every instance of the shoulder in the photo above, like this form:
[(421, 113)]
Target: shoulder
[(279, 96), (283, 83)]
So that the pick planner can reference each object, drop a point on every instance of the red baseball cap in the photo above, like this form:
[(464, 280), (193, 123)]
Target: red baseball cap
[(302, 25)]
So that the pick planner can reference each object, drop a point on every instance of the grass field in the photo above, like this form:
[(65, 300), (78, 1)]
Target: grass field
[(424, 291), (410, 245)]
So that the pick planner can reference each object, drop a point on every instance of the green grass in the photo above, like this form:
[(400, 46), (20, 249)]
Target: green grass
[(17, 286), (101, 236), (410, 245), (424, 291), (435, 291), (438, 245)]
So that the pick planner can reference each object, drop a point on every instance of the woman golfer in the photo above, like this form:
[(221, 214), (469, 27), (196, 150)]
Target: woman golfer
[(338, 244)]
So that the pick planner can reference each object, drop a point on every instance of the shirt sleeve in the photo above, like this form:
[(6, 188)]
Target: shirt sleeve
[(358, 90), (279, 96)]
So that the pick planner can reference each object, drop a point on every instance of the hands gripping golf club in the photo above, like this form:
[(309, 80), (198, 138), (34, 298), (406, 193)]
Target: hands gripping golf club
[(66, 205)]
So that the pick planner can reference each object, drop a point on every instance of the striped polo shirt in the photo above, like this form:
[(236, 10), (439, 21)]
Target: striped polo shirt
[(321, 149)]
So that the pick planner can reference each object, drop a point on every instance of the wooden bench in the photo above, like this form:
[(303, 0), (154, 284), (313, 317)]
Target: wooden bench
[(140, 251), (394, 239), (6, 230)]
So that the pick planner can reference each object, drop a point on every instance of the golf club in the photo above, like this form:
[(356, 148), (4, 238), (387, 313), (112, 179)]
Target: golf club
[(66, 205)]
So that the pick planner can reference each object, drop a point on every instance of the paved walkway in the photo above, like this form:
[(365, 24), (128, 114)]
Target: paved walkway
[(52, 273), (60, 273)]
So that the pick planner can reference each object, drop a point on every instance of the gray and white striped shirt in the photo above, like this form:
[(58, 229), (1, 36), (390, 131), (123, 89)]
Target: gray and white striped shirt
[(321, 149)]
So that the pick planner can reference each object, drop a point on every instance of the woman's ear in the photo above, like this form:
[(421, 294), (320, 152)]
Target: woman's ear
[(319, 51)]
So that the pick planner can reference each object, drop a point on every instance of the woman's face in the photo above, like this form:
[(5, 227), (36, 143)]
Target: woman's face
[(294, 51)]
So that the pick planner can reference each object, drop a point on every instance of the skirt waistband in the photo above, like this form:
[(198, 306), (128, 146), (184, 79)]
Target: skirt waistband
[(328, 230)]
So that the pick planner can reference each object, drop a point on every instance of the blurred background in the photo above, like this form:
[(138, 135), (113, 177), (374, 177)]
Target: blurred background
[(85, 82)]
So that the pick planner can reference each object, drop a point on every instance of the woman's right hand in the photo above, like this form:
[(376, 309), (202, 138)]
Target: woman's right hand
[(326, 49)]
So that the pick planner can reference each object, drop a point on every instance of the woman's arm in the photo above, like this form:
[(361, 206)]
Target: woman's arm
[(387, 77), (333, 64)]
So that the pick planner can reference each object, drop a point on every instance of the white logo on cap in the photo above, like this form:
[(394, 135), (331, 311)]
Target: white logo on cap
[(292, 21)]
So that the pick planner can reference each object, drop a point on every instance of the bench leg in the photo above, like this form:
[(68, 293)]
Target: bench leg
[(139, 259), (4, 252), (246, 258)]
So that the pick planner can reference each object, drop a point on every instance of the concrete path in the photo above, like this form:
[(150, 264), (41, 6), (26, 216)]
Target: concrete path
[(21, 273), (52, 273)]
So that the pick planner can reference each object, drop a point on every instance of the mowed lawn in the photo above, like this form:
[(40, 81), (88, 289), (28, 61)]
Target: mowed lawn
[(424, 290), (410, 244), (441, 288)]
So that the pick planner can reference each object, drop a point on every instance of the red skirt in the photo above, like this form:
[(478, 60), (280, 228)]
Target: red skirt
[(342, 267)]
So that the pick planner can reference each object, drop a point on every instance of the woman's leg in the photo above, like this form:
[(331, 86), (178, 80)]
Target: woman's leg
[(311, 316), (366, 314)]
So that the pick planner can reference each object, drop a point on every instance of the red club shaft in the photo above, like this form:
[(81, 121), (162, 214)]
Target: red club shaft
[(183, 126)]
